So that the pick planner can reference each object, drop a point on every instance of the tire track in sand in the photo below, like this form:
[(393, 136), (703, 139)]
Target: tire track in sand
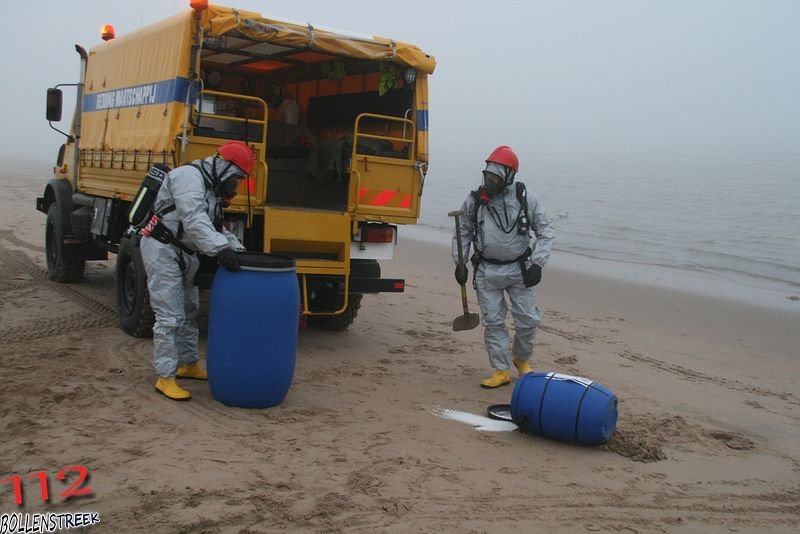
[(596, 512), (103, 314), (697, 376), (50, 327), (571, 336), (9, 236)]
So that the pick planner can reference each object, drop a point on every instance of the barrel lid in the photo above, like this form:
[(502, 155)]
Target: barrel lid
[(261, 261), (501, 412)]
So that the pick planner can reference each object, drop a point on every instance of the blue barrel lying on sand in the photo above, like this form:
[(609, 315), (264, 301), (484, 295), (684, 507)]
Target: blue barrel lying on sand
[(563, 407), (253, 321)]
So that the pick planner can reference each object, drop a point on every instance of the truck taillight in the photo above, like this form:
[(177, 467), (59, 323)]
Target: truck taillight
[(381, 234)]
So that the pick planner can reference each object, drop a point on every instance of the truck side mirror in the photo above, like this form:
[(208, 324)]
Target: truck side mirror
[(54, 100)]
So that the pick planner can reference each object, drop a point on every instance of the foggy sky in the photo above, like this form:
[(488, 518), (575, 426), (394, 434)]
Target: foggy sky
[(564, 76)]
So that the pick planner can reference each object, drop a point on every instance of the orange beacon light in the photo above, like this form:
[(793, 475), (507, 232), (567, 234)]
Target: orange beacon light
[(107, 32)]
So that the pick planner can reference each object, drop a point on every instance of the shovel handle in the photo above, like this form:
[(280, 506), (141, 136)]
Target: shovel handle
[(457, 216)]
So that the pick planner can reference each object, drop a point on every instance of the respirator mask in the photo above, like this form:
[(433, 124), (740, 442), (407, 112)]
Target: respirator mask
[(496, 177), (227, 189), (492, 183)]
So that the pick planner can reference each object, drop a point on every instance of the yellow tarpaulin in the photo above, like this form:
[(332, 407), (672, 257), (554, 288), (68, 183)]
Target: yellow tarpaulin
[(137, 85), (220, 20)]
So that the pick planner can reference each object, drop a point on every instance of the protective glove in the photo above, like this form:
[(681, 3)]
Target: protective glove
[(533, 276), (461, 274), (229, 260)]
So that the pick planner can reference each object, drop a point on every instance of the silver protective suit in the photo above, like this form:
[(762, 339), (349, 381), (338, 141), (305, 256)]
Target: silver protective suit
[(492, 281), (171, 271)]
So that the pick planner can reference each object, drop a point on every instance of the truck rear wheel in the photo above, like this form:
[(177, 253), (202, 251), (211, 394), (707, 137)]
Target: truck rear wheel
[(136, 317), (338, 322), (61, 265)]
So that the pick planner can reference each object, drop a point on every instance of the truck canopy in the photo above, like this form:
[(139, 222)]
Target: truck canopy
[(142, 80), (221, 21)]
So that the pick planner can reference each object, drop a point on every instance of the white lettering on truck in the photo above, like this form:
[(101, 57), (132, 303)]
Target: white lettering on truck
[(130, 96)]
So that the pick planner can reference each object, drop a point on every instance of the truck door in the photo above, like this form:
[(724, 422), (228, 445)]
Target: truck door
[(385, 178)]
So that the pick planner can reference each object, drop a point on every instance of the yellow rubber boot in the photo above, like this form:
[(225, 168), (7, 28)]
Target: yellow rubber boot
[(192, 370), (170, 389), (499, 378), (523, 367)]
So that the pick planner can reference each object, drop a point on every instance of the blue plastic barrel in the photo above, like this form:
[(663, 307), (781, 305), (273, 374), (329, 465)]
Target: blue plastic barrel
[(564, 407), (253, 321)]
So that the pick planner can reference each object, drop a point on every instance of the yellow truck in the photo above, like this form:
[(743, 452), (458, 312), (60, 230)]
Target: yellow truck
[(338, 120)]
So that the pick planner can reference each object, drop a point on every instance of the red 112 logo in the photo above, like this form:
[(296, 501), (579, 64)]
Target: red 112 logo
[(74, 490)]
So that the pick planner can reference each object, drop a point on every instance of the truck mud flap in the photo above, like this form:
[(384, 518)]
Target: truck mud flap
[(78, 250)]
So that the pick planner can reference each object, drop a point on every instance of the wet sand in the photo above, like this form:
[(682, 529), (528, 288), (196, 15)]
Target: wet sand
[(707, 439)]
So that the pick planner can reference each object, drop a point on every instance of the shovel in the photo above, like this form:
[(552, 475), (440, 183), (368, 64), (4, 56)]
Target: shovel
[(468, 321)]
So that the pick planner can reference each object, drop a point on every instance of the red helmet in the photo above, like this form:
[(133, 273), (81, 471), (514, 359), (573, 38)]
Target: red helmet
[(239, 154), (504, 156)]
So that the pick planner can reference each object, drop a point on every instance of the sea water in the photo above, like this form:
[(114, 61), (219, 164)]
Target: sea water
[(727, 220)]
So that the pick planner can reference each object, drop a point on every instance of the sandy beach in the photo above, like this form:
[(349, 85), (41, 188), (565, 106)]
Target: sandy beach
[(708, 438)]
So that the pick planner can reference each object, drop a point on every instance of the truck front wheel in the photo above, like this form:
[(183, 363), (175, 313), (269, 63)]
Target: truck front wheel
[(61, 265), (133, 299)]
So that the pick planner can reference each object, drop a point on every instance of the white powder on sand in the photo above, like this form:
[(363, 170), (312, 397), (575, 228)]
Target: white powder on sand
[(479, 422)]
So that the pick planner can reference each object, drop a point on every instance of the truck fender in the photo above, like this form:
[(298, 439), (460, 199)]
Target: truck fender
[(58, 191)]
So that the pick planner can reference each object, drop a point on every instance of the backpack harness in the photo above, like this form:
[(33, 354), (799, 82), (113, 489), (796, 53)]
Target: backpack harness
[(160, 232), (521, 223)]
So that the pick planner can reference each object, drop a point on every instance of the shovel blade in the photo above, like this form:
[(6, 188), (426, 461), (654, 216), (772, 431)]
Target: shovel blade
[(468, 321)]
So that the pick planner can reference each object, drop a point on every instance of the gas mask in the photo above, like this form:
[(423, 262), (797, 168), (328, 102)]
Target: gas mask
[(224, 189), (492, 183), (496, 177), (227, 189)]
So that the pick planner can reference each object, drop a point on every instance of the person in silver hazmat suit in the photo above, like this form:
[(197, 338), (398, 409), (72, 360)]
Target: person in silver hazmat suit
[(187, 221), (512, 239)]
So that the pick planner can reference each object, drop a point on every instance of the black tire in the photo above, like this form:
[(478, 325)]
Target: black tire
[(135, 315), (62, 266), (341, 322)]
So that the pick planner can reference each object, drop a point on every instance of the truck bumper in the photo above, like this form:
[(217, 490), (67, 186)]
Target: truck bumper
[(377, 285)]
